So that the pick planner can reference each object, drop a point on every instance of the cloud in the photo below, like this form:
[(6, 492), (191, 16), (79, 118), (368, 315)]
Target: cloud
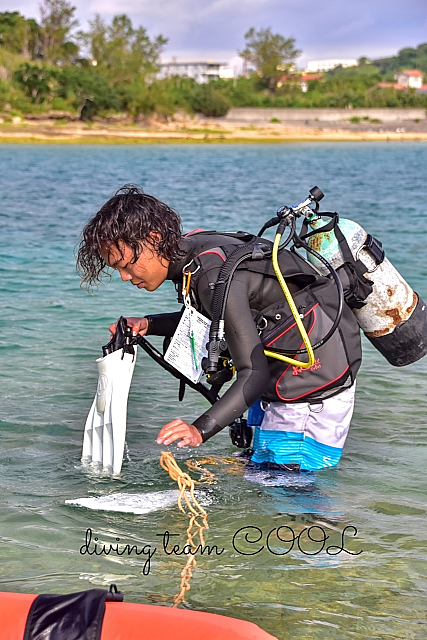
[(215, 28)]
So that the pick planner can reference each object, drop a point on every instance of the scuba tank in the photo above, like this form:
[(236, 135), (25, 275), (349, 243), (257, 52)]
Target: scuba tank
[(392, 316)]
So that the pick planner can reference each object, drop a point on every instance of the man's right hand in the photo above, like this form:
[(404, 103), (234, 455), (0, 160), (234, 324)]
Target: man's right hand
[(139, 326)]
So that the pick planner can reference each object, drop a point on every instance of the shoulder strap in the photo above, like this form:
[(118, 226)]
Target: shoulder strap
[(239, 235)]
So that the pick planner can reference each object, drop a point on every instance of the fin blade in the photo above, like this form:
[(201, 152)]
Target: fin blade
[(119, 409), (105, 428), (88, 433)]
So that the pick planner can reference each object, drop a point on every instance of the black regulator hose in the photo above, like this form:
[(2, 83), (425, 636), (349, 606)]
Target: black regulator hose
[(270, 223), (245, 257), (217, 343)]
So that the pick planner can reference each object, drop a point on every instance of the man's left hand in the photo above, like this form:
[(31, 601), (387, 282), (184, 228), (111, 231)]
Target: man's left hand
[(180, 430)]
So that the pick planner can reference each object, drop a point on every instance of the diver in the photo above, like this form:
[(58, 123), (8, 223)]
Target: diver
[(302, 416)]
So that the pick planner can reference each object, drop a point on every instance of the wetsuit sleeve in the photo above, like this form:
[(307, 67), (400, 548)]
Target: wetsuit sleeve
[(248, 356), (163, 324)]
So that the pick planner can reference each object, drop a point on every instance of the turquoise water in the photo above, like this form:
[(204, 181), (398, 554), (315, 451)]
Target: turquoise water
[(50, 335)]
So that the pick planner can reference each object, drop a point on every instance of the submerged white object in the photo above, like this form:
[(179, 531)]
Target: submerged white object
[(138, 503), (105, 429)]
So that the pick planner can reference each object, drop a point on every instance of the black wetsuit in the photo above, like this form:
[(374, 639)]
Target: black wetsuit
[(250, 293)]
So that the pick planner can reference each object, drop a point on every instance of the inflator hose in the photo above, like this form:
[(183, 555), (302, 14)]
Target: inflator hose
[(298, 321), (304, 245)]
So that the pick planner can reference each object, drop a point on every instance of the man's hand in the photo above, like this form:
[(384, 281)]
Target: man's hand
[(138, 326), (180, 430)]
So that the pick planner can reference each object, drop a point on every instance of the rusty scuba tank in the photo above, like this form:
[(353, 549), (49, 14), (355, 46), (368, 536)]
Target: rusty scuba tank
[(392, 316)]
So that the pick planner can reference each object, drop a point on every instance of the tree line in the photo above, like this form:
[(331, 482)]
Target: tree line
[(113, 67)]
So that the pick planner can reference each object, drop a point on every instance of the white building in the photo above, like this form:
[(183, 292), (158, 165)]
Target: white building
[(200, 71), (412, 78), (317, 66)]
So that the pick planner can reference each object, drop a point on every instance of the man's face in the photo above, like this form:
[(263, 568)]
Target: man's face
[(148, 272)]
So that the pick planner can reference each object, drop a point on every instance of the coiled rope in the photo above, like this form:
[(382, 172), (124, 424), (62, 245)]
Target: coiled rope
[(198, 518), (194, 512)]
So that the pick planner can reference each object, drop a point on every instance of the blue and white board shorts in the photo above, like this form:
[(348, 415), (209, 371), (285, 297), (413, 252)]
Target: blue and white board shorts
[(300, 433)]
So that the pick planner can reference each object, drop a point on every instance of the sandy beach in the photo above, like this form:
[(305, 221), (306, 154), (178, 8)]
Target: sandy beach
[(198, 131)]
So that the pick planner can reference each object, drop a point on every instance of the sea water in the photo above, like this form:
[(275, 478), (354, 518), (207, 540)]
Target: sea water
[(367, 579)]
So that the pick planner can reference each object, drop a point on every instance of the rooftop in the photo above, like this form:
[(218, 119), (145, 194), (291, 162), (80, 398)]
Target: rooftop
[(414, 73)]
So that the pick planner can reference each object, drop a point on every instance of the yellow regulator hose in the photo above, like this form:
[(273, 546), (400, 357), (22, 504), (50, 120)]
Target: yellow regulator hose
[(294, 310)]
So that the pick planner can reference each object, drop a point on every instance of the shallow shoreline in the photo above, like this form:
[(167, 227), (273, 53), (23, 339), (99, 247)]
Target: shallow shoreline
[(202, 132)]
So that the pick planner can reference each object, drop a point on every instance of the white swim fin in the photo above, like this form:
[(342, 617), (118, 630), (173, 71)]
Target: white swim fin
[(105, 429), (138, 503)]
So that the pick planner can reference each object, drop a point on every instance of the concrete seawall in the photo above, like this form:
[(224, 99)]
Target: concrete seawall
[(247, 115)]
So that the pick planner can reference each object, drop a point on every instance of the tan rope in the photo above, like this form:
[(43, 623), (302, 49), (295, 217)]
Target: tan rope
[(237, 466), (194, 511)]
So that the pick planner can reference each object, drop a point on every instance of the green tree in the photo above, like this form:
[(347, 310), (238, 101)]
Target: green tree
[(19, 35), (271, 54), (95, 40), (159, 97), (57, 21), (422, 57), (87, 91), (210, 100), (406, 58), (120, 52), (37, 82)]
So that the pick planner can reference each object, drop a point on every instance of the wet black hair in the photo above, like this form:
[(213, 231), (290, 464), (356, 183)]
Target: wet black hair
[(131, 217)]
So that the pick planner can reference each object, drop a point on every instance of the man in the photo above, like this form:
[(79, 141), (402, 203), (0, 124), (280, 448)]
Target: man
[(307, 412)]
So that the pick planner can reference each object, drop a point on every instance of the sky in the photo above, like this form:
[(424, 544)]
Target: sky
[(214, 29)]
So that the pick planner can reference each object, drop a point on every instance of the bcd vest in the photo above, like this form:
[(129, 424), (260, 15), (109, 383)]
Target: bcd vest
[(336, 361)]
